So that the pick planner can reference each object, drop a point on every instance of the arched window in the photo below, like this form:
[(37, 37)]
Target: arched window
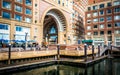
[(52, 30)]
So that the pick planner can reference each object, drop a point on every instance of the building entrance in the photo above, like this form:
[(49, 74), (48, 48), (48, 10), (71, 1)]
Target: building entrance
[(50, 30)]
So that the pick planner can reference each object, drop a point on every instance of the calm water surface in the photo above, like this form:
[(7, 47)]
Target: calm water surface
[(105, 67)]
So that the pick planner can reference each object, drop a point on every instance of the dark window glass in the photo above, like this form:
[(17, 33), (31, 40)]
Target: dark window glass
[(109, 4), (89, 8), (28, 11), (58, 1), (117, 24), (109, 32), (6, 15), (109, 11), (6, 4), (18, 28), (117, 9), (3, 26), (95, 33), (109, 25), (101, 32), (101, 12), (28, 2), (101, 19), (95, 26), (101, 5), (94, 7)]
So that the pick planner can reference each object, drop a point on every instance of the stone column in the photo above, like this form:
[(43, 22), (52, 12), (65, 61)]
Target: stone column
[(60, 37)]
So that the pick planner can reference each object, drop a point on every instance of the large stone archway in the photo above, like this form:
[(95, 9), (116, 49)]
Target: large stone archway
[(54, 27)]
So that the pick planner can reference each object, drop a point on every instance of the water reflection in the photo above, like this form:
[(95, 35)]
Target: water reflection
[(106, 67)]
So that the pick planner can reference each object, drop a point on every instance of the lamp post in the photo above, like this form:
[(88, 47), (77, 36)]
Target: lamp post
[(9, 54), (26, 40)]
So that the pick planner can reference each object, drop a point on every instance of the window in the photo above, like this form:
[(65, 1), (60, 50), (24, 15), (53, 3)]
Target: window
[(20, 1), (95, 7), (6, 5), (109, 11), (95, 26), (101, 19), (95, 33), (28, 20), (18, 17), (101, 12), (117, 9), (35, 5), (117, 17), (28, 11), (28, 2), (116, 3), (117, 24), (62, 2), (6, 15), (109, 4), (101, 26), (89, 33), (117, 31), (18, 28), (88, 21), (101, 5), (95, 20), (18, 8), (109, 18), (95, 14), (88, 27), (109, 32), (88, 15), (66, 2), (101, 32), (109, 25), (58, 1), (89, 8), (4, 26)]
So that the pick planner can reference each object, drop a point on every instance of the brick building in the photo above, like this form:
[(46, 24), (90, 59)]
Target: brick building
[(102, 23)]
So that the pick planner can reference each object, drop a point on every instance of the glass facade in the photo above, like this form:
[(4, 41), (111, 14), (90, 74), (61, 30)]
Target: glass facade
[(4, 32), (20, 33)]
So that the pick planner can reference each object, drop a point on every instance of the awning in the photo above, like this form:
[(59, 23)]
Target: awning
[(87, 41)]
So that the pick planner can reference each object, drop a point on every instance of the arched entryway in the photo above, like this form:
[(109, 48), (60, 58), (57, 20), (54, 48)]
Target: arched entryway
[(54, 23), (50, 30)]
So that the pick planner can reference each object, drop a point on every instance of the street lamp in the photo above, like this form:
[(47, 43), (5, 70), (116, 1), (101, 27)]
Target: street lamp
[(26, 40)]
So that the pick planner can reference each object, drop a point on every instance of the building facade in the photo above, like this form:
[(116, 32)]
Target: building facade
[(102, 23), (41, 21)]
